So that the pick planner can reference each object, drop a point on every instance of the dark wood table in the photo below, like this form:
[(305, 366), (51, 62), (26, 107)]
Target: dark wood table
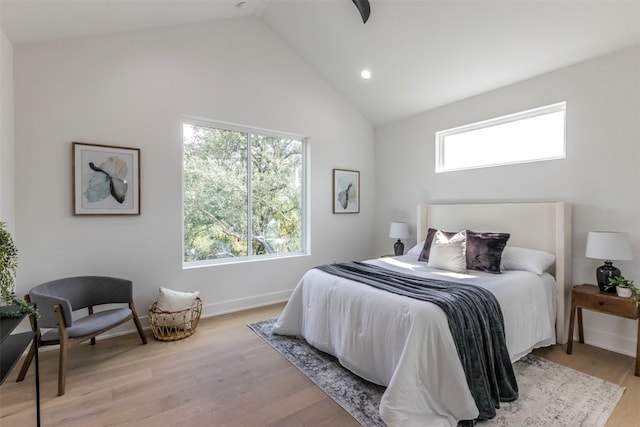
[(591, 298)]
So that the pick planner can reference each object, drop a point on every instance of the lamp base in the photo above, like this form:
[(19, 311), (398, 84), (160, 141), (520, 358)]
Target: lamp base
[(603, 273), (398, 248)]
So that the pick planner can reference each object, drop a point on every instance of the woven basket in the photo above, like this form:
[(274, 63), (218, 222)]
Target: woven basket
[(174, 325)]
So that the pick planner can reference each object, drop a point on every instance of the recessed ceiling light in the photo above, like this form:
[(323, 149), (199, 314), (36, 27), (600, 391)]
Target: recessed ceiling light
[(366, 74)]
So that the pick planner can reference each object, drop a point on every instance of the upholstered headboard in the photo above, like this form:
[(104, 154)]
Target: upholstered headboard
[(543, 226)]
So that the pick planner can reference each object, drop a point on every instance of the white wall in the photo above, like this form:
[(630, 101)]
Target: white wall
[(599, 176), (131, 89), (7, 150)]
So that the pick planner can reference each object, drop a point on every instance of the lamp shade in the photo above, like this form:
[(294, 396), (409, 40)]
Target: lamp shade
[(609, 245), (399, 230)]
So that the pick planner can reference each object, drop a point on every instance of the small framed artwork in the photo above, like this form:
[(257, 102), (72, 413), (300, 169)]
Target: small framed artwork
[(106, 180), (346, 191)]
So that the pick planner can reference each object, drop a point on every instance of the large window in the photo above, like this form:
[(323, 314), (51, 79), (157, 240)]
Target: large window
[(528, 136), (243, 193)]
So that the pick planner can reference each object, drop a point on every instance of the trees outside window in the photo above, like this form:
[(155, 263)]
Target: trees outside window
[(243, 193)]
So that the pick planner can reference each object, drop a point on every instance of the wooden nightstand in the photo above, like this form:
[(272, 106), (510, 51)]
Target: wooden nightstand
[(590, 297)]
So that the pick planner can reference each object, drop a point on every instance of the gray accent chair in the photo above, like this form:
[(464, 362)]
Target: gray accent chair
[(58, 299)]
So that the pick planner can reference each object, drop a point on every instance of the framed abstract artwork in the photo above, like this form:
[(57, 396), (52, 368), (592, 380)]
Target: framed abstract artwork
[(346, 191), (106, 180)]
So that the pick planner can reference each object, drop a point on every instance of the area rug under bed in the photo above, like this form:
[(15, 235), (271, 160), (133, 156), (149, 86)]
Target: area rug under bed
[(551, 395)]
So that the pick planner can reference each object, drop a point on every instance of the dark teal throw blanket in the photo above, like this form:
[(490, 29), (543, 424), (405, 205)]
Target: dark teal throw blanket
[(475, 321)]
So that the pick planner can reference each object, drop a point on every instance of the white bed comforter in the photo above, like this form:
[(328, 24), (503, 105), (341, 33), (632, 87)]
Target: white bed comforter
[(406, 344)]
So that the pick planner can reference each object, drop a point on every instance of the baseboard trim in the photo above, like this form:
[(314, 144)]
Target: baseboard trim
[(597, 338), (241, 304), (210, 310), (608, 341)]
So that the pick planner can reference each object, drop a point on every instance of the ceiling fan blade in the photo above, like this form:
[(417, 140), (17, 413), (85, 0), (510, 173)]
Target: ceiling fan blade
[(364, 8)]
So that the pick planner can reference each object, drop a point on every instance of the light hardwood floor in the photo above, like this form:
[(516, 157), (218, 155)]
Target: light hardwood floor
[(223, 375)]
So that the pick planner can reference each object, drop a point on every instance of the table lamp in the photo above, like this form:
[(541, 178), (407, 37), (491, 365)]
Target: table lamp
[(398, 230), (608, 245)]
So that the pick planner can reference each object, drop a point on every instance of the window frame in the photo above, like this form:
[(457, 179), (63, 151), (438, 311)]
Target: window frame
[(304, 199), (440, 136)]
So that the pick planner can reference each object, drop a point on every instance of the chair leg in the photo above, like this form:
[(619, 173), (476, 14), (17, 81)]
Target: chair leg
[(26, 363), (143, 337), (93, 340), (64, 344), (62, 364)]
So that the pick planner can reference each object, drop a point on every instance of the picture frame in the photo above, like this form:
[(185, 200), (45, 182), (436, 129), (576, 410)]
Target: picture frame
[(346, 191), (106, 179)]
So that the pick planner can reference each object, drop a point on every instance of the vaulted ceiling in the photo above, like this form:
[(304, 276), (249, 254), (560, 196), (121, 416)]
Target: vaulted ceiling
[(421, 53)]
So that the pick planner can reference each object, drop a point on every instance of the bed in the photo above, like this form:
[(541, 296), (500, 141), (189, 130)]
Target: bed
[(406, 344)]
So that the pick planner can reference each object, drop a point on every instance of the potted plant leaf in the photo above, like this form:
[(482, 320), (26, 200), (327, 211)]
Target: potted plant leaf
[(8, 270), (624, 288)]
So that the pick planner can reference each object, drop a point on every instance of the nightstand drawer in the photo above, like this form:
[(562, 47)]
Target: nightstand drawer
[(607, 304)]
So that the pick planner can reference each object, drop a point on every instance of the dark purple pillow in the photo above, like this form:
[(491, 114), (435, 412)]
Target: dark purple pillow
[(484, 250), (426, 249)]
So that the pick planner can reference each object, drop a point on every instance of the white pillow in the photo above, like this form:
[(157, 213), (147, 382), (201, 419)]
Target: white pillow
[(448, 254), (170, 300), (416, 250), (525, 259)]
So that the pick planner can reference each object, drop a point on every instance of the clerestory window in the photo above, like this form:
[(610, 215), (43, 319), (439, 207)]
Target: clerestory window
[(528, 136)]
